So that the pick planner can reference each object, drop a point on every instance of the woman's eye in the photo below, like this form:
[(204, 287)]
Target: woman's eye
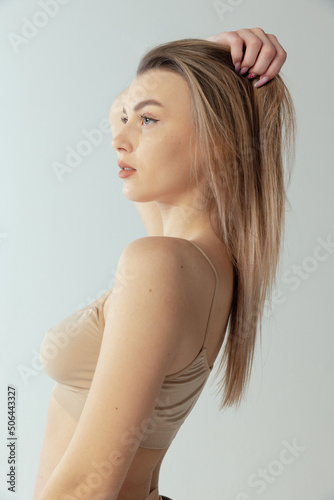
[(144, 118)]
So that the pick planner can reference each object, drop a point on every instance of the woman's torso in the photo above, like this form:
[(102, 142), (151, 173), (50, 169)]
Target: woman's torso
[(143, 474)]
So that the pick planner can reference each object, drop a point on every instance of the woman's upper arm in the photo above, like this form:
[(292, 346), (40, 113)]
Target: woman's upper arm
[(142, 333)]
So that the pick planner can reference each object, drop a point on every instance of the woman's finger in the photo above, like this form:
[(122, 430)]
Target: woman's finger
[(245, 46), (232, 40), (272, 55), (273, 68), (254, 52), (253, 46)]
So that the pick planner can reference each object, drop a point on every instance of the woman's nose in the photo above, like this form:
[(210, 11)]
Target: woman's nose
[(121, 141)]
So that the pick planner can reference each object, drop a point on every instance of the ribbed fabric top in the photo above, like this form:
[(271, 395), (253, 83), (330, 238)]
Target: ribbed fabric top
[(69, 354)]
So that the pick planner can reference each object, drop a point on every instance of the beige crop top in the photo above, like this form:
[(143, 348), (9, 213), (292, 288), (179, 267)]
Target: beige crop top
[(69, 354)]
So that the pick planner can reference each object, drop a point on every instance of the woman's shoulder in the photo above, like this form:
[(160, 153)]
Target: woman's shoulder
[(157, 260), (158, 248), (154, 275), (152, 242), (163, 254), (158, 263)]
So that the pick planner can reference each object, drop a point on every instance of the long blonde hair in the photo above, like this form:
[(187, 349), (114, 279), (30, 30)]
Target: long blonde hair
[(241, 137)]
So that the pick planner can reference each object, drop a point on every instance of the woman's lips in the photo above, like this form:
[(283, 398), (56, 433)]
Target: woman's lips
[(125, 173), (126, 169), (122, 165)]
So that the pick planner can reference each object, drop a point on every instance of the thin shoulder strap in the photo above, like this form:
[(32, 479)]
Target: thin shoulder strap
[(214, 296)]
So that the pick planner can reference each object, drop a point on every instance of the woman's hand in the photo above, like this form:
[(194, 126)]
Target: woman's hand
[(263, 55)]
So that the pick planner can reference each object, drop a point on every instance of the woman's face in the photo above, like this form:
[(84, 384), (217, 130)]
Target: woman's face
[(154, 138)]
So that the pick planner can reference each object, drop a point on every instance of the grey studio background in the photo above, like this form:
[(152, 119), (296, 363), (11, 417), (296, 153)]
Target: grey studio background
[(61, 236)]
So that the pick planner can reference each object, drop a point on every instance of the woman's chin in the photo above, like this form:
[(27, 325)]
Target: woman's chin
[(128, 192), (132, 195)]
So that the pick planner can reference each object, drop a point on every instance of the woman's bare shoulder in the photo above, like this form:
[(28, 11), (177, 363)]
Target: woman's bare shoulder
[(153, 259), (157, 262), (153, 263), (154, 247)]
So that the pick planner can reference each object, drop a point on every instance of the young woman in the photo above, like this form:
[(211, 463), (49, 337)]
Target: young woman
[(200, 153)]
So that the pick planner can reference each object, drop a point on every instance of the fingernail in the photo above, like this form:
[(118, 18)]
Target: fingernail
[(237, 67), (251, 75), (261, 82), (243, 71)]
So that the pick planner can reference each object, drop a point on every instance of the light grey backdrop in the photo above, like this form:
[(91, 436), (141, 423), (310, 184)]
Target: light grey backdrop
[(61, 236)]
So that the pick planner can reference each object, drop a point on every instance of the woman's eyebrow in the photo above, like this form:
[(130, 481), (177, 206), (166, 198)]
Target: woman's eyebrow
[(141, 104)]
